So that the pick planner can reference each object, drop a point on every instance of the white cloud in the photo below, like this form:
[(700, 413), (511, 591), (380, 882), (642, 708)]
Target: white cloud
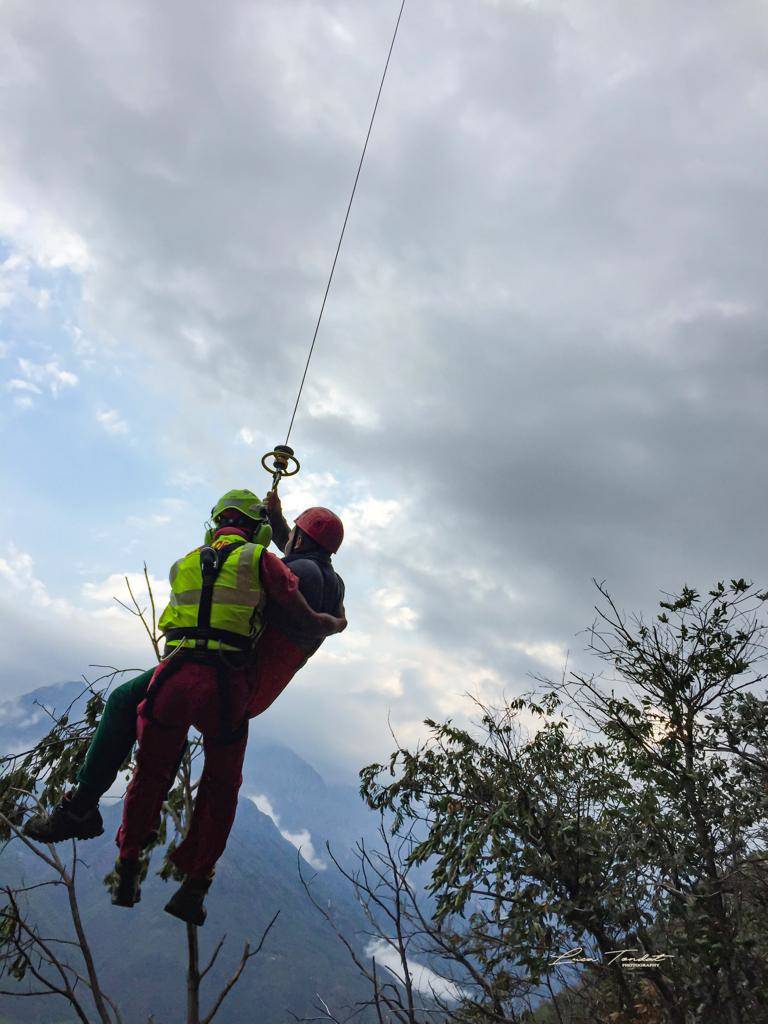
[(155, 519), (330, 401), (23, 385), (111, 422), (372, 513), (395, 611), (202, 345), (169, 510), (42, 238), (307, 490), (13, 280), (246, 436), (75, 633), (301, 840), (187, 479), (47, 375), (367, 520), (13, 713), (351, 646), (552, 655), (114, 586), (342, 33), (424, 980), (174, 506), (82, 346), (16, 283), (17, 571)]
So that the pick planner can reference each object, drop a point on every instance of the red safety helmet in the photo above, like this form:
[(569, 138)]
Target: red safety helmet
[(323, 526)]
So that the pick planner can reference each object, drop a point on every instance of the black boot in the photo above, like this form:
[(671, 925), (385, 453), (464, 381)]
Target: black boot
[(65, 821), (187, 902), (125, 888)]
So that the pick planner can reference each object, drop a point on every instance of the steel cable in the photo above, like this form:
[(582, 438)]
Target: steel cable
[(344, 225)]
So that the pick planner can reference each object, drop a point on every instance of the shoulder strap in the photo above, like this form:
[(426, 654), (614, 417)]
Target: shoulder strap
[(211, 563)]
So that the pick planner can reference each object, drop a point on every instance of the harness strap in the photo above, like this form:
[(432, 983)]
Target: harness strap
[(161, 677), (242, 643), (229, 732), (211, 564)]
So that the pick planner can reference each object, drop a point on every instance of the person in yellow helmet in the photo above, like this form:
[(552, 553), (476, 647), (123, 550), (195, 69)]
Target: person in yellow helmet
[(213, 619), (289, 638)]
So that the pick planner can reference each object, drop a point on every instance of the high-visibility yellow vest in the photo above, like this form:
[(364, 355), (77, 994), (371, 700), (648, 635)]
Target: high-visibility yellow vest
[(216, 597)]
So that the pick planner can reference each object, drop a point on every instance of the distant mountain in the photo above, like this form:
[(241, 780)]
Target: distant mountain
[(303, 802), (23, 720)]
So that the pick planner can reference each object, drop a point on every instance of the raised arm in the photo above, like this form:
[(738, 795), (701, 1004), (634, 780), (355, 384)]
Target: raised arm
[(280, 528)]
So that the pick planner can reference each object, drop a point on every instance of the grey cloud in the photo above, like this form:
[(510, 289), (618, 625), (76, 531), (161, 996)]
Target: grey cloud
[(551, 292)]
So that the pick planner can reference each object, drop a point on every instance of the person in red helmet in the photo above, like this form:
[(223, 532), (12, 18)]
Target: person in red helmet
[(323, 526), (284, 647)]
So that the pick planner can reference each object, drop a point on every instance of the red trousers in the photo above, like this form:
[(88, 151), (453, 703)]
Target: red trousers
[(278, 659), (190, 697)]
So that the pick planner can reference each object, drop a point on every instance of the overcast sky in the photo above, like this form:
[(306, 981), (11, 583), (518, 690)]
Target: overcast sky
[(544, 357)]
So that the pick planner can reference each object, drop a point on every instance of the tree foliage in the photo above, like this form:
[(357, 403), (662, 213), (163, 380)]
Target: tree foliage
[(621, 817)]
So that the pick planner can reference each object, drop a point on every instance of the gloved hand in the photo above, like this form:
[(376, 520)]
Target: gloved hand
[(273, 503), (280, 529), (330, 624)]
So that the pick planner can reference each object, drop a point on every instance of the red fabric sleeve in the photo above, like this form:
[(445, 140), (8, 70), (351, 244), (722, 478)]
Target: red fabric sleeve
[(279, 583)]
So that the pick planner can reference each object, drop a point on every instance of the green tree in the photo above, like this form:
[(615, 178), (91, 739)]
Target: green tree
[(621, 817)]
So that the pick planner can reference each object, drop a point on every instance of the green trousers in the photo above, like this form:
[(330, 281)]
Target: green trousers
[(115, 735)]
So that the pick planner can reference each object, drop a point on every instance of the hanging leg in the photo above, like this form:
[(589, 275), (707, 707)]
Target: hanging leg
[(161, 740), (215, 806)]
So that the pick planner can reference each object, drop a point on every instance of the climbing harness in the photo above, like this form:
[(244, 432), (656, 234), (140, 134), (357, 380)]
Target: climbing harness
[(211, 564), (282, 454)]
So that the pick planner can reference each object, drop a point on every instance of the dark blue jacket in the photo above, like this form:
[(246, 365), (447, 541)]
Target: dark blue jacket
[(322, 588)]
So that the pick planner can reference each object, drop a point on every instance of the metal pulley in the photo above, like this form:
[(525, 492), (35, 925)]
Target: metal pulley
[(282, 457)]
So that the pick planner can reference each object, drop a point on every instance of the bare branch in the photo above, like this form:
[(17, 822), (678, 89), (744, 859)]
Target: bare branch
[(247, 954), (214, 957)]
